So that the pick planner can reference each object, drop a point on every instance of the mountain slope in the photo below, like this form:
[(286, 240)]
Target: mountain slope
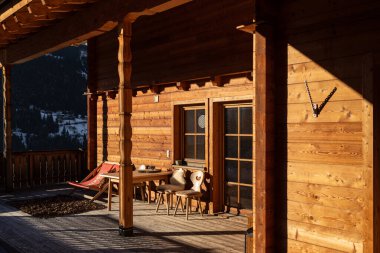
[(47, 101)]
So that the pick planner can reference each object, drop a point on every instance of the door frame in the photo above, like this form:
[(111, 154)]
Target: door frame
[(216, 147)]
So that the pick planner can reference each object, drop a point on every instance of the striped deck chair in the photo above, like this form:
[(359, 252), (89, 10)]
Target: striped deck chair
[(94, 181)]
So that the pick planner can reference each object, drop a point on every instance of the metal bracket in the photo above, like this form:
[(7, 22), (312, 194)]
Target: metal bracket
[(318, 109)]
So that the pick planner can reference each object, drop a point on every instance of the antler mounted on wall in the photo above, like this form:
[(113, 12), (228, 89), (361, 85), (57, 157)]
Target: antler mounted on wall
[(318, 109)]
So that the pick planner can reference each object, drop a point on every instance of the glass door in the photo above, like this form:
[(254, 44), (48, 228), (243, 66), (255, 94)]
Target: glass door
[(238, 160)]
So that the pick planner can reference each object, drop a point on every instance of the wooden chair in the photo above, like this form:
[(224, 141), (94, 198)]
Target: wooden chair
[(196, 178), (177, 183), (94, 181)]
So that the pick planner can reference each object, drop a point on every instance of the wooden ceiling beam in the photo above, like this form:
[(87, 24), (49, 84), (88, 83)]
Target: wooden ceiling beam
[(8, 13), (101, 17), (27, 19), (5, 35), (60, 2), (16, 28), (41, 12)]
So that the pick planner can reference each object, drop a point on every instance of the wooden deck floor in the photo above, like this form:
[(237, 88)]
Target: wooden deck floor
[(97, 231)]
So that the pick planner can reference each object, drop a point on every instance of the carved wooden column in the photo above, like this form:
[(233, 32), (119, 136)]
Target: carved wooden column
[(7, 128), (125, 109), (91, 104)]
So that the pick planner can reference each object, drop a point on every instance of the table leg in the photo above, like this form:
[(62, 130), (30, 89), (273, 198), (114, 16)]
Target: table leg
[(109, 194), (149, 193), (187, 208), (167, 202)]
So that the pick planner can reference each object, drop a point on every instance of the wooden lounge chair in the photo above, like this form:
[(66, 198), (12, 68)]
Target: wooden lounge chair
[(94, 181)]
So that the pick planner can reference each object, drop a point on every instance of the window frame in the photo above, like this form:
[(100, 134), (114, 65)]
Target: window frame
[(177, 127), (238, 184), (184, 134)]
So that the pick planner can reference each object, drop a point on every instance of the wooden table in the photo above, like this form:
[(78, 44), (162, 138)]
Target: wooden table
[(137, 177)]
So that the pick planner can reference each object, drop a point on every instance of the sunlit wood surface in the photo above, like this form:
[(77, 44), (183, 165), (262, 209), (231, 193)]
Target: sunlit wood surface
[(97, 231)]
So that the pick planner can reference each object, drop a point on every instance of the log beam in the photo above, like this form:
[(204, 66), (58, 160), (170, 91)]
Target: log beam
[(97, 19), (125, 110), (7, 128), (264, 193), (91, 104)]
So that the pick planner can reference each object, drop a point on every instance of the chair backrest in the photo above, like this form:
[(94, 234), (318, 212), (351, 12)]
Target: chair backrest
[(106, 168), (178, 177), (197, 178), (98, 179)]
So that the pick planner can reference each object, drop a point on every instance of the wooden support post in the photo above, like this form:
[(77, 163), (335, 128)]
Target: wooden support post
[(125, 108), (7, 128), (265, 156), (91, 104), (369, 149)]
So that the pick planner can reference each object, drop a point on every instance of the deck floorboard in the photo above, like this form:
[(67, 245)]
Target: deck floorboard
[(97, 231)]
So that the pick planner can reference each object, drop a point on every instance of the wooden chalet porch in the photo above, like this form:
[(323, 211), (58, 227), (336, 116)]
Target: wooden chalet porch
[(111, 33), (97, 230), (312, 161)]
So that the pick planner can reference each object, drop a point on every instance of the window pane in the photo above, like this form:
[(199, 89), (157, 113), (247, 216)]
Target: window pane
[(200, 147), (246, 147), (189, 121), (246, 172), (230, 195), (201, 121), (230, 171), (246, 120), (231, 120), (231, 147), (189, 146), (246, 197)]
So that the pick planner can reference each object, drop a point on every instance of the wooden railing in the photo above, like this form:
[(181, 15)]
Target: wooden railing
[(2, 173), (35, 168)]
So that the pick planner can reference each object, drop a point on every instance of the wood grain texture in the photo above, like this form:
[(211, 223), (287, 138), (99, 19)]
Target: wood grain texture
[(7, 125), (368, 148), (125, 110), (330, 153), (297, 247), (350, 176), (329, 170), (328, 196), (94, 20), (341, 132), (347, 219), (264, 131), (91, 105), (329, 238), (210, 43)]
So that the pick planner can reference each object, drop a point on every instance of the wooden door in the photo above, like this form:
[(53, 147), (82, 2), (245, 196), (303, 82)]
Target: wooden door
[(237, 159)]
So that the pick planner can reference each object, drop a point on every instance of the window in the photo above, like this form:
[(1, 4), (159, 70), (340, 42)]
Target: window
[(238, 161), (193, 142)]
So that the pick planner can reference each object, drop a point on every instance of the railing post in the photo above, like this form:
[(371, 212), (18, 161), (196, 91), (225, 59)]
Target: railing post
[(91, 104), (7, 128), (30, 171)]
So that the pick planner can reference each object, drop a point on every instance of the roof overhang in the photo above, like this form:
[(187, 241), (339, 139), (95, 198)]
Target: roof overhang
[(31, 28)]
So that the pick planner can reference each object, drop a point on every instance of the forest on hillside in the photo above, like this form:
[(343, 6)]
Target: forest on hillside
[(48, 105)]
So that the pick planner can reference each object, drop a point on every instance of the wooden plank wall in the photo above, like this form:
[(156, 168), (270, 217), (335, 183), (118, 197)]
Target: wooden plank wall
[(152, 122), (106, 66), (108, 129), (198, 39), (170, 47), (329, 170)]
